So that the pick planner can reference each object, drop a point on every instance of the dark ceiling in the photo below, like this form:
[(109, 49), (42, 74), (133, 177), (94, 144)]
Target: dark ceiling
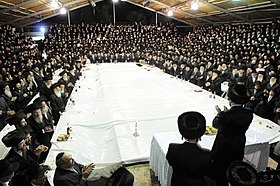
[(210, 12)]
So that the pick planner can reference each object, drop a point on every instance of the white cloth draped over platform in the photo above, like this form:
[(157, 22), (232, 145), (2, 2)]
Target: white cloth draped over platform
[(110, 99)]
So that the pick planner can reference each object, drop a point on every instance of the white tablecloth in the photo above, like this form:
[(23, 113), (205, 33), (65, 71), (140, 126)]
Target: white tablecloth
[(112, 98), (256, 153)]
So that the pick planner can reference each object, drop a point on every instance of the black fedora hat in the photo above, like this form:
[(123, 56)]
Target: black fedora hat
[(240, 173), (7, 167), (35, 170), (13, 138), (55, 85), (238, 93), (15, 120), (192, 125)]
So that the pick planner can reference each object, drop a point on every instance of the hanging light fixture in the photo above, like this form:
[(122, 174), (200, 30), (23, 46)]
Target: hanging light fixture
[(54, 4), (63, 10), (194, 5)]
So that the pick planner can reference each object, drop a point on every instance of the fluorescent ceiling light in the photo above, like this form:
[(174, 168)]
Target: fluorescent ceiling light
[(170, 13), (63, 10), (54, 4), (194, 6)]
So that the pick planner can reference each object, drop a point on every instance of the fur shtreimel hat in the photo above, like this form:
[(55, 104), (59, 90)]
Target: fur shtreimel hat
[(192, 125), (238, 93)]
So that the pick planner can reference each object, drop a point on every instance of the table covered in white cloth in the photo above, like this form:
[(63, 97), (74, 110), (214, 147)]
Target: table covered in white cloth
[(256, 152), (110, 100)]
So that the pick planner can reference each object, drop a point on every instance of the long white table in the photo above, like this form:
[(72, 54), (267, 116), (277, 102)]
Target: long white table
[(114, 100), (256, 152)]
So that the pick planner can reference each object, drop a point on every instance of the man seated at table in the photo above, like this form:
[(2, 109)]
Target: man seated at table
[(70, 173), (189, 161)]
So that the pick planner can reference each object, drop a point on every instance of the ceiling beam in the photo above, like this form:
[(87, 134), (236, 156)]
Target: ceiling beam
[(42, 12), (161, 13), (57, 13), (226, 11), (18, 5), (180, 4), (186, 13)]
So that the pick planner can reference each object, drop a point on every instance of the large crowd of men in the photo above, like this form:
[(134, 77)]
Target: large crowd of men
[(208, 56)]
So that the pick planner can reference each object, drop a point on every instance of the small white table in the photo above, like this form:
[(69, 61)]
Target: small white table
[(256, 153)]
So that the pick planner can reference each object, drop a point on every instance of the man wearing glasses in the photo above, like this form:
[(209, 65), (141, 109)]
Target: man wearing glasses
[(70, 173)]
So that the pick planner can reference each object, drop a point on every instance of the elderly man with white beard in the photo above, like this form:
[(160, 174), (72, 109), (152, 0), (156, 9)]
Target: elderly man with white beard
[(8, 96), (46, 109), (57, 102), (65, 79), (42, 130), (45, 89)]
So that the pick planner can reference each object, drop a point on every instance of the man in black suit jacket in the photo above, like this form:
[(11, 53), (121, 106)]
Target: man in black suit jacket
[(57, 102), (189, 161), (70, 173), (232, 125), (7, 171)]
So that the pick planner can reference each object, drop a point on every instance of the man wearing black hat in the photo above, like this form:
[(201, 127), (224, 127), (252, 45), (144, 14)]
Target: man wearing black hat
[(42, 130), (7, 171), (19, 153), (5, 112), (242, 173), (57, 102), (45, 108), (232, 125), (189, 161), (45, 89), (214, 84), (37, 175)]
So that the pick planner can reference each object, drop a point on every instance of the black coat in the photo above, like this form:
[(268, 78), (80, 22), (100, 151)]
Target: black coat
[(230, 141), (64, 177), (43, 138), (20, 176), (45, 91), (190, 163)]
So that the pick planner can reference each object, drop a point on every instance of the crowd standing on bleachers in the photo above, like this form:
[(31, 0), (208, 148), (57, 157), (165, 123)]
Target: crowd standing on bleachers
[(207, 57)]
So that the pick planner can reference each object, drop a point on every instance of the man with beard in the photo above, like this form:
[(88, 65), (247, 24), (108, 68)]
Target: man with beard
[(65, 79), (251, 81), (201, 75), (19, 120), (261, 78), (8, 96), (45, 108), (42, 130), (22, 97), (31, 83), (187, 72), (64, 92), (273, 83), (37, 74), (19, 153), (214, 84), (45, 89), (5, 112), (266, 106), (57, 103)]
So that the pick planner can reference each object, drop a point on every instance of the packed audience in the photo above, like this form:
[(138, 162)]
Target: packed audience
[(208, 57)]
